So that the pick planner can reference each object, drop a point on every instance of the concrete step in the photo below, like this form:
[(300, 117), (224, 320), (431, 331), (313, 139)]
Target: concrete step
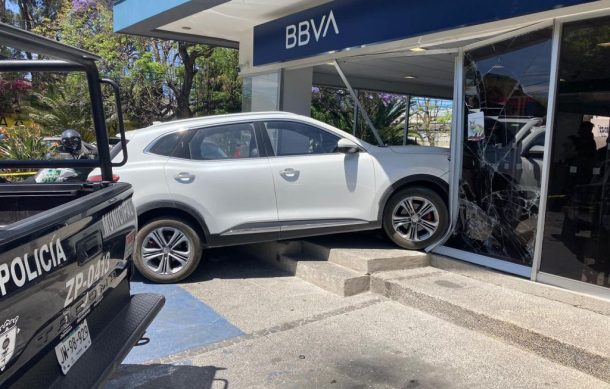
[(367, 255), (326, 275), (338, 263), (564, 333)]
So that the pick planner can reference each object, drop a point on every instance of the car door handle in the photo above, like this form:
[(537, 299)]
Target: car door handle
[(289, 172), (184, 177)]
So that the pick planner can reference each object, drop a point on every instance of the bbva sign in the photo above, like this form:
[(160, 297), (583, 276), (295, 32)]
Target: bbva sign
[(302, 33)]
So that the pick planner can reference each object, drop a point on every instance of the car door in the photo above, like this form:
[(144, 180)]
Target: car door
[(317, 186), (218, 171)]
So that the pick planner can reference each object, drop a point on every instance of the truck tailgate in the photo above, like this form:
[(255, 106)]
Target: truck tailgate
[(59, 269)]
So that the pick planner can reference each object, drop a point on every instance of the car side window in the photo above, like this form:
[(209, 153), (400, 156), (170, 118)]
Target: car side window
[(166, 145), (229, 141), (292, 138)]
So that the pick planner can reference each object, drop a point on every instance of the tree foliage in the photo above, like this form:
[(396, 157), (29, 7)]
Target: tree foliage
[(386, 111), (429, 118), (160, 79)]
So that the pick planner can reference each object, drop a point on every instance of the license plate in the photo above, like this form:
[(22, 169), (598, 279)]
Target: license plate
[(73, 347)]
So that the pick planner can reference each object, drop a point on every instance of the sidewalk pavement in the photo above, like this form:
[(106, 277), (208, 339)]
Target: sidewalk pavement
[(279, 331)]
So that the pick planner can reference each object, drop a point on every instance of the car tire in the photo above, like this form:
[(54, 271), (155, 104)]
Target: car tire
[(167, 250), (416, 217)]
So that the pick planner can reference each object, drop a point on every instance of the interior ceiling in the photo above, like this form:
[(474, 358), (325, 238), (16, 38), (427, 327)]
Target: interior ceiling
[(428, 69), (231, 19), (432, 71)]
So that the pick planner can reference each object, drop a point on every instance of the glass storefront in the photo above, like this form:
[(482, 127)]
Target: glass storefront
[(261, 92), (576, 241), (506, 86), (505, 94)]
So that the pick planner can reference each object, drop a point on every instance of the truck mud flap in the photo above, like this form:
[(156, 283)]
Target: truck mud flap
[(111, 342)]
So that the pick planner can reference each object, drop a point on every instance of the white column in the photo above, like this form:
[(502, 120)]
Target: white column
[(296, 90)]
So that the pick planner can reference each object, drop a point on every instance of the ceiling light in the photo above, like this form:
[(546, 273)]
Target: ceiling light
[(605, 44), (410, 77), (186, 28), (417, 49), (562, 80)]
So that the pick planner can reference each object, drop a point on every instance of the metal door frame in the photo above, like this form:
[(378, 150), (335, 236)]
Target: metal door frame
[(457, 157), (537, 275)]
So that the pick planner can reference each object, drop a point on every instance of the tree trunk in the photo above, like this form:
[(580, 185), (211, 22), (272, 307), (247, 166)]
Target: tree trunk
[(183, 109)]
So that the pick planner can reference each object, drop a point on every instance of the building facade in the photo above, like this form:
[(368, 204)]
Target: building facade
[(529, 90)]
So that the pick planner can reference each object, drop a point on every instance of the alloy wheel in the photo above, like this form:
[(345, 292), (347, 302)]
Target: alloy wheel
[(415, 218), (166, 250)]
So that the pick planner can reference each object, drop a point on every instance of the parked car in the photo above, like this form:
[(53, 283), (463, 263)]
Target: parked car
[(245, 178)]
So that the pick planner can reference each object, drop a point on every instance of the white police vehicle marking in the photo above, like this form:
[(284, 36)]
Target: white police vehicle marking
[(86, 278), (29, 266), (118, 217), (8, 338)]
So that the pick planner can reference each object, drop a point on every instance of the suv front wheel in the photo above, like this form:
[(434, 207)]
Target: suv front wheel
[(416, 217), (167, 250)]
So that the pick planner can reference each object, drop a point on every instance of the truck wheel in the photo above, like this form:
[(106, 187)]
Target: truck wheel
[(167, 250), (416, 217)]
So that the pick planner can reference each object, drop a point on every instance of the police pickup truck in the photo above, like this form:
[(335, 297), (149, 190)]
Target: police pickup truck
[(67, 317)]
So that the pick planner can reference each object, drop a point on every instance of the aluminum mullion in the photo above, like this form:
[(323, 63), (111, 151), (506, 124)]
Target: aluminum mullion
[(363, 112), (456, 148), (548, 142)]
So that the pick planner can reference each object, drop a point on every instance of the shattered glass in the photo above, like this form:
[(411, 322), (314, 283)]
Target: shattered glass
[(506, 93)]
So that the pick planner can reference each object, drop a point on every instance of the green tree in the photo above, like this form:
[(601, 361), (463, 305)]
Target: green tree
[(159, 79), (431, 118), (333, 106), (386, 112)]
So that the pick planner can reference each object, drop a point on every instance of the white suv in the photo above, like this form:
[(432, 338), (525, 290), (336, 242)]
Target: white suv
[(245, 178)]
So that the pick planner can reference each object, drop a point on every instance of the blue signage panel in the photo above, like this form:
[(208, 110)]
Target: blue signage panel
[(350, 23)]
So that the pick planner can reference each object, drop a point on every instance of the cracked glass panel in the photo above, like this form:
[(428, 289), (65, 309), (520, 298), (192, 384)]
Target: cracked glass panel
[(506, 92), (576, 240)]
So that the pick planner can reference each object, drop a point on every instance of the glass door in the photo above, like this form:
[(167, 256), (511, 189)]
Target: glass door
[(576, 242), (506, 87)]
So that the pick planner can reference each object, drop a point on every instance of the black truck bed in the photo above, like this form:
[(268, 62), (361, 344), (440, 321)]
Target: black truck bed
[(20, 201), (60, 268)]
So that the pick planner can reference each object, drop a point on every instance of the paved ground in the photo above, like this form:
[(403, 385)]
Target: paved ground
[(240, 324)]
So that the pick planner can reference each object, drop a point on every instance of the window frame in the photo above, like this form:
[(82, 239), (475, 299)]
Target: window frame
[(191, 132), (154, 142), (270, 152)]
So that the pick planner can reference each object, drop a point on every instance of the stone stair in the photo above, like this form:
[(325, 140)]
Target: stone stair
[(562, 326), (339, 264)]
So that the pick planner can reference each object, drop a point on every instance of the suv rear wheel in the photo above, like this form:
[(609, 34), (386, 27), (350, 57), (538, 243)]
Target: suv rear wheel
[(167, 250), (415, 217)]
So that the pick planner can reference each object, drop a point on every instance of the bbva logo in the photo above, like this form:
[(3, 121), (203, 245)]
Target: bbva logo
[(302, 33)]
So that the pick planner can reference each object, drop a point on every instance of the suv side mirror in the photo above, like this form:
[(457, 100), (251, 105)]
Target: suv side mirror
[(347, 146)]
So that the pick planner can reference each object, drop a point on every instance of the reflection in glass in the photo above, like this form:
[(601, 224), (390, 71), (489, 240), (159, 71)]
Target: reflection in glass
[(506, 91), (261, 93), (576, 236)]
